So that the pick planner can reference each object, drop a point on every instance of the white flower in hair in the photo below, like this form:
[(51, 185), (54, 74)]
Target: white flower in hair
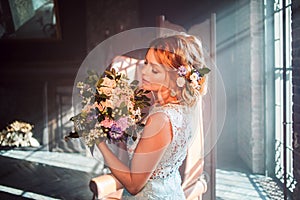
[(194, 84), (180, 81), (194, 77)]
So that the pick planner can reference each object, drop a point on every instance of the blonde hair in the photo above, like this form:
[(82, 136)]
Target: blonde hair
[(182, 50)]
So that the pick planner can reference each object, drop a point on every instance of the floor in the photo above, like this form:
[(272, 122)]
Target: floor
[(31, 174), (46, 175), (237, 185), (235, 182)]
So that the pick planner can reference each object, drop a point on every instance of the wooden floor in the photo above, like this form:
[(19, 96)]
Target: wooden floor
[(23, 179), (43, 175)]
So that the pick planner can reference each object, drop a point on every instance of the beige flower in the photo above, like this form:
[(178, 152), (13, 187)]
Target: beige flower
[(105, 90), (20, 126), (108, 103), (130, 106), (109, 82), (180, 81)]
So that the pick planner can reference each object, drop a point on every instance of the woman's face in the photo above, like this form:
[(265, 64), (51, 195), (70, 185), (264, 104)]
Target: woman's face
[(154, 74)]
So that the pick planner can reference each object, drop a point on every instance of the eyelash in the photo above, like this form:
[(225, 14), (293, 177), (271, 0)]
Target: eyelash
[(153, 71)]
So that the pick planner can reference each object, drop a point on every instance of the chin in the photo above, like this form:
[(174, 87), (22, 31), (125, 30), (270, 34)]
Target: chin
[(146, 87)]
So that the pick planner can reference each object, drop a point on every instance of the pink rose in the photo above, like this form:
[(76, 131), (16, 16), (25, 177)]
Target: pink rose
[(107, 123)]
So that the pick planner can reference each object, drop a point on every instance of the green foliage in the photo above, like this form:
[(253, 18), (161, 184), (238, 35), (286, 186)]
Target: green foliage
[(203, 71)]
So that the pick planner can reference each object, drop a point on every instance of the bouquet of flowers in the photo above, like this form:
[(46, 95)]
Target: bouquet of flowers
[(111, 108), (18, 133)]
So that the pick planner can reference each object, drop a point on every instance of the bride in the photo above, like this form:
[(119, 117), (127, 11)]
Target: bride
[(175, 73)]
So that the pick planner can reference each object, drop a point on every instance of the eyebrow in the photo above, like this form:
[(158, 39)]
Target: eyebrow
[(154, 64)]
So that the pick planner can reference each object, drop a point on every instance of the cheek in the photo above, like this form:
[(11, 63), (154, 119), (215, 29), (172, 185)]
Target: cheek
[(158, 79), (154, 84)]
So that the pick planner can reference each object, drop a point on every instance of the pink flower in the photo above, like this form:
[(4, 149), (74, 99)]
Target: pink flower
[(107, 123), (123, 123)]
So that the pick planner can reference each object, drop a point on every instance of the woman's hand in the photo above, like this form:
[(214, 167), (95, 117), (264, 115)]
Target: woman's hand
[(101, 144), (155, 139)]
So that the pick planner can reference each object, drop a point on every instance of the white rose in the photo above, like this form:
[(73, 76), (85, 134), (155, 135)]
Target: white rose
[(194, 77), (180, 81)]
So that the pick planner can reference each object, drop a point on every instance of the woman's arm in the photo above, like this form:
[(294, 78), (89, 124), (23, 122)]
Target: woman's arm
[(156, 136)]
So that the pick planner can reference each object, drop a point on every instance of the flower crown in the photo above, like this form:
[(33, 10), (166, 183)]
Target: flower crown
[(195, 78)]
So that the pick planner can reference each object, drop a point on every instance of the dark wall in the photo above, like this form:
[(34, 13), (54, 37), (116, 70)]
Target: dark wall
[(28, 66), (72, 21), (109, 17), (182, 12)]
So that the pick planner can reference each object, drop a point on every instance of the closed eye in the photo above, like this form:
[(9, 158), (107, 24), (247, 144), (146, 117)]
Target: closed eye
[(154, 71)]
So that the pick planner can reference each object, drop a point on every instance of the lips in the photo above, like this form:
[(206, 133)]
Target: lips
[(145, 81)]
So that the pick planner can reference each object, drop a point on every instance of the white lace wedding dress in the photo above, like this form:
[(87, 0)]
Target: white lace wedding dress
[(165, 181)]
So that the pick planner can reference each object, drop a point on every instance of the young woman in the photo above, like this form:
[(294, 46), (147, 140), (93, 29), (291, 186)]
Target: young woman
[(174, 72)]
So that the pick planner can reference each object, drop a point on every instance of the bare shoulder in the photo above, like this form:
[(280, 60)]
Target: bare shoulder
[(157, 133), (157, 123), (158, 117)]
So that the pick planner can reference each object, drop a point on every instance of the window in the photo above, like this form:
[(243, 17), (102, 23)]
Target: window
[(28, 19), (283, 100)]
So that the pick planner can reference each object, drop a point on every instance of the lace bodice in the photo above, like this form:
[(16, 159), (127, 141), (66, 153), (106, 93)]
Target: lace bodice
[(176, 151), (165, 181)]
